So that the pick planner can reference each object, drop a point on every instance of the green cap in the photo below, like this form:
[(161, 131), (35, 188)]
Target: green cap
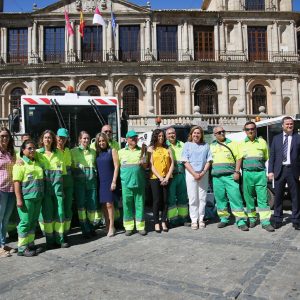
[(63, 132), (131, 134)]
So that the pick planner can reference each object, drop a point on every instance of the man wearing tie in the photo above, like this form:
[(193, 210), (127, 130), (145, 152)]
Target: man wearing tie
[(284, 167)]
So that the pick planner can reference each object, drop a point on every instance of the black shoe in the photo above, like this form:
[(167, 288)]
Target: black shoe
[(37, 249), (129, 232), (142, 232), (64, 245), (222, 224), (243, 227), (268, 227), (252, 224), (52, 246), (277, 225), (296, 226), (27, 253), (86, 235), (93, 233)]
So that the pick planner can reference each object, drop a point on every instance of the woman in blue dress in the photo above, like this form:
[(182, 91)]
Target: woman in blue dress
[(108, 169)]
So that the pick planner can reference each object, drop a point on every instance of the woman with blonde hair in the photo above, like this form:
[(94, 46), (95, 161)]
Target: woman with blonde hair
[(108, 169), (197, 157)]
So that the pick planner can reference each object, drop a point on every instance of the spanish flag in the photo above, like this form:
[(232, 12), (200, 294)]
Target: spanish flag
[(81, 25)]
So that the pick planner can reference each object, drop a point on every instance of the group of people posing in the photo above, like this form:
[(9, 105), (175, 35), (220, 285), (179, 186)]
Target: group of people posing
[(43, 181)]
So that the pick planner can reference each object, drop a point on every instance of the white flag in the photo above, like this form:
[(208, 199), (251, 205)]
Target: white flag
[(98, 19)]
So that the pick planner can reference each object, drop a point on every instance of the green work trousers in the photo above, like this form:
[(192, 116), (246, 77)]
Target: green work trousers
[(226, 189), (86, 200), (52, 217), (255, 187), (68, 200), (29, 214), (133, 200), (178, 210)]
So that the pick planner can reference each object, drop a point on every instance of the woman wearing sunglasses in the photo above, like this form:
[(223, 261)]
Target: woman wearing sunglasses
[(29, 189)]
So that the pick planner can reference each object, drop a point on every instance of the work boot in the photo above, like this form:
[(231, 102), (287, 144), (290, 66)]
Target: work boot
[(268, 227), (64, 245), (142, 232), (252, 224), (128, 232), (222, 224), (243, 227), (27, 253)]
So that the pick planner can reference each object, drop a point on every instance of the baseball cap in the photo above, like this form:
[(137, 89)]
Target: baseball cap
[(131, 133), (63, 132)]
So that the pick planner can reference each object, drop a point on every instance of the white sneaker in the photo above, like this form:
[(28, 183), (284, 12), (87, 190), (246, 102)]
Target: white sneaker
[(202, 224)]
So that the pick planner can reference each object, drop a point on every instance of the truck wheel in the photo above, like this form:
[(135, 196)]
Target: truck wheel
[(271, 198)]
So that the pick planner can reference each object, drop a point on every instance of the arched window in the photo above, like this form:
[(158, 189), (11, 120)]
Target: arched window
[(168, 100), (206, 97), (93, 90), (53, 90), (131, 99), (15, 97), (259, 98)]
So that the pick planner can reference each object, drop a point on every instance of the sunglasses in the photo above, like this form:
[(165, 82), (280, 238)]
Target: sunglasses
[(220, 132), (4, 136), (31, 148), (107, 131), (250, 129)]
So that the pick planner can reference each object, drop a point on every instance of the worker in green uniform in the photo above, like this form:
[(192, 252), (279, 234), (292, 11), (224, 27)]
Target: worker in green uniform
[(14, 217), (52, 215), (85, 184), (133, 182), (29, 189), (61, 139), (226, 173), (178, 211), (254, 152)]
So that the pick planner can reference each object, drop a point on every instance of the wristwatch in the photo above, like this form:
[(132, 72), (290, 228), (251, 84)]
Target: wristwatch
[(238, 172)]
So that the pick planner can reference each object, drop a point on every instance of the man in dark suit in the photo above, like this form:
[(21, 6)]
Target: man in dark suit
[(284, 167)]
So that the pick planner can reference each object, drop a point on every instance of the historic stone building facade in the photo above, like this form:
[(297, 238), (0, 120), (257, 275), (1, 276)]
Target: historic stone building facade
[(231, 57)]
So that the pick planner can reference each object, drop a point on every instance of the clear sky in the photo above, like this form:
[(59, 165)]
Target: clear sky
[(26, 5)]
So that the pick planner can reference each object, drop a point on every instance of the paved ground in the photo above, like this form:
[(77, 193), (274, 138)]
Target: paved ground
[(182, 264)]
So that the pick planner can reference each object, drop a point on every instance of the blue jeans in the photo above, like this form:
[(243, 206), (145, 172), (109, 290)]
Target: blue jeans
[(7, 204)]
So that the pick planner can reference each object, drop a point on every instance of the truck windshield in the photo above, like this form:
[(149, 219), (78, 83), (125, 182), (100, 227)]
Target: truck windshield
[(77, 118)]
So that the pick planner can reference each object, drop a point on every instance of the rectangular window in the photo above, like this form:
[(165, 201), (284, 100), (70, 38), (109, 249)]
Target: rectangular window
[(257, 43), (254, 4), (129, 43), (92, 44), (17, 45), (204, 43), (167, 43), (54, 44)]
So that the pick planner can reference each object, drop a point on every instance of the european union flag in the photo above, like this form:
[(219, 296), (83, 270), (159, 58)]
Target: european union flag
[(113, 23)]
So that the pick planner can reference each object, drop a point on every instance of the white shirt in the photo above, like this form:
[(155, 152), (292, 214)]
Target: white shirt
[(288, 156)]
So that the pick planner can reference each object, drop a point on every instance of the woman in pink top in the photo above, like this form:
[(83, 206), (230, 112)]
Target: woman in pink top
[(7, 196)]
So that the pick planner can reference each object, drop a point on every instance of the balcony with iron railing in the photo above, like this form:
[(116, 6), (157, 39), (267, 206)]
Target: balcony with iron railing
[(103, 56)]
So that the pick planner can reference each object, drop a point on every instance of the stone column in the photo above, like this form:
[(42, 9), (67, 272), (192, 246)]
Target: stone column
[(295, 95), (293, 40), (216, 38), (224, 101), (276, 39), (222, 37), (187, 95), (240, 26), (149, 95), (242, 106), (148, 35), (34, 86), (3, 45), (110, 87), (34, 38), (104, 41), (185, 42), (277, 102), (109, 36)]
